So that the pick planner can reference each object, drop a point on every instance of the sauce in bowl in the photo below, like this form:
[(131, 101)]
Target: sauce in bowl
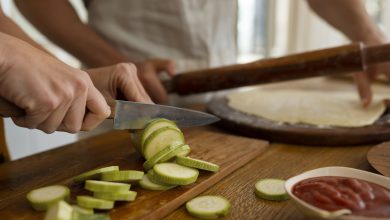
[(332, 193)]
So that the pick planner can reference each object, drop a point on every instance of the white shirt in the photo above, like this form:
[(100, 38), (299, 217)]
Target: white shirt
[(195, 34)]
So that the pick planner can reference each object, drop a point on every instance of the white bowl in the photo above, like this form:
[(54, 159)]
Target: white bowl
[(314, 212)]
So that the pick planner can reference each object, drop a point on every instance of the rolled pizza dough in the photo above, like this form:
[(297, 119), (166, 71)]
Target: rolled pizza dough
[(321, 108)]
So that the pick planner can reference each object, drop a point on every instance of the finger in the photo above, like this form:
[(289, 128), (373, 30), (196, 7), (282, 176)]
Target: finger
[(155, 88), (98, 109), (36, 113), (364, 88), (30, 121), (134, 91), (53, 122), (73, 119), (165, 65)]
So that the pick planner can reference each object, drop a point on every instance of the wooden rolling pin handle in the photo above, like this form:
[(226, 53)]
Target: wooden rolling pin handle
[(8, 109), (376, 54), (331, 61)]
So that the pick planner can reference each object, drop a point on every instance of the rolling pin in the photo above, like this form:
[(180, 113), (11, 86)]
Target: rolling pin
[(325, 62), (332, 61)]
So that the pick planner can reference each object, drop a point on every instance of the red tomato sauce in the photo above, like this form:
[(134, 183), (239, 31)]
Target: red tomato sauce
[(333, 193)]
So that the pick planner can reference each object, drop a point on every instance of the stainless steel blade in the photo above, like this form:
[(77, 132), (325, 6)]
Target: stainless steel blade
[(135, 115)]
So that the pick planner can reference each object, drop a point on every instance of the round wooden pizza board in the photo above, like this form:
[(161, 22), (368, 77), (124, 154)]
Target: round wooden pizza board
[(379, 158), (254, 126)]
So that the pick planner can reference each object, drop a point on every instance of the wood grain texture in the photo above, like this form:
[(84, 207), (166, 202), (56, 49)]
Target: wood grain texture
[(279, 161), (254, 126), (60, 165), (330, 61), (379, 158)]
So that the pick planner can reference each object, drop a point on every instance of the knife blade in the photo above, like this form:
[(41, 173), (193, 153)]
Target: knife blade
[(135, 115)]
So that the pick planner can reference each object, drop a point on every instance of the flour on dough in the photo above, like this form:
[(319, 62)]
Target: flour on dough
[(322, 108)]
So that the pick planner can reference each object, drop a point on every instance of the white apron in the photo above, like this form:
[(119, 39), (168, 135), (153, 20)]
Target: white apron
[(195, 34)]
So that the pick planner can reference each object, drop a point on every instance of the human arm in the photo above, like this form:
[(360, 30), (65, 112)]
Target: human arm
[(86, 44), (9, 27), (351, 18), (53, 95)]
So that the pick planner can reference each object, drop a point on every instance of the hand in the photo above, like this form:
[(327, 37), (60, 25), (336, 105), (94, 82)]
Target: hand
[(117, 80), (148, 74), (54, 95), (364, 79)]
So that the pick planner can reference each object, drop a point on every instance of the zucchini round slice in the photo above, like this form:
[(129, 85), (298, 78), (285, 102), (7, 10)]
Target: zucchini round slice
[(157, 157), (82, 210), (182, 150), (59, 211), (208, 207), (196, 163), (94, 203), (94, 174), (41, 198), (271, 189), (122, 175), (174, 174), (155, 125), (160, 139), (116, 196), (104, 186), (147, 184)]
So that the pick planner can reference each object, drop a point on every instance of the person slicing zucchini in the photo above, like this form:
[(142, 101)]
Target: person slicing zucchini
[(54, 95)]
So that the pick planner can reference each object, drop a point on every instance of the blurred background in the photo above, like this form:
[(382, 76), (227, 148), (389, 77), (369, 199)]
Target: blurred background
[(265, 28)]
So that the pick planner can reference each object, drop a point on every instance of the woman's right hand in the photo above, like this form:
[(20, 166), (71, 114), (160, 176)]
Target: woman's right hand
[(54, 95)]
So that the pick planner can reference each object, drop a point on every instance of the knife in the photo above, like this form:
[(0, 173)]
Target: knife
[(135, 115), (325, 62)]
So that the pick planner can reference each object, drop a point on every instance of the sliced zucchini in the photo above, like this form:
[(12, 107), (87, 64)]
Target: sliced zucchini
[(94, 203), (116, 196), (104, 186), (271, 189), (122, 175), (196, 163), (147, 184), (158, 156), (82, 210), (155, 125), (183, 150), (208, 207), (174, 174), (59, 211), (41, 198), (154, 179), (160, 139), (94, 174)]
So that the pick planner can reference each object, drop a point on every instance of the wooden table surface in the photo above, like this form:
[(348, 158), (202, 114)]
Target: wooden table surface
[(277, 161)]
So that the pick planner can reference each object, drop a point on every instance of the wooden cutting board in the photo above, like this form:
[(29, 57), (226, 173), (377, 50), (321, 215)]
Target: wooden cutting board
[(302, 134), (60, 165)]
